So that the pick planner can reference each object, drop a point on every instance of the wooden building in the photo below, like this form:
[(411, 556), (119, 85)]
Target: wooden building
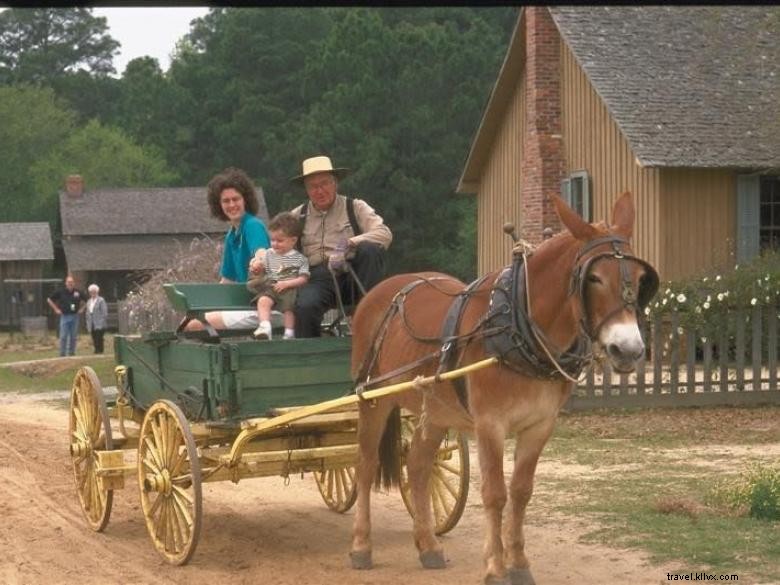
[(678, 104), (113, 236), (25, 251)]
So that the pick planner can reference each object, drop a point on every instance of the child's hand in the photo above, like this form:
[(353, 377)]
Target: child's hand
[(280, 286), (255, 266)]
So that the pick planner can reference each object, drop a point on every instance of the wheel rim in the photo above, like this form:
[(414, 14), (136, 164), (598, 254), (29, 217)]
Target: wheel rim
[(337, 487), (89, 430), (170, 482), (449, 483)]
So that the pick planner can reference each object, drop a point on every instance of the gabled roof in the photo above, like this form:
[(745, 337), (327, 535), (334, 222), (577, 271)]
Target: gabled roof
[(25, 241), (125, 252), (173, 210), (689, 86)]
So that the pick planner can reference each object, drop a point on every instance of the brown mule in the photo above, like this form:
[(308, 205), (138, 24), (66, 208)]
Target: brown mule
[(583, 285)]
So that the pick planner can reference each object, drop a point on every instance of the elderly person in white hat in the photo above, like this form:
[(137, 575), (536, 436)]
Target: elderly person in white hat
[(97, 315), (335, 228)]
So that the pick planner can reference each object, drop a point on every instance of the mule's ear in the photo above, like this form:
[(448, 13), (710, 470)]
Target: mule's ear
[(623, 215), (578, 227)]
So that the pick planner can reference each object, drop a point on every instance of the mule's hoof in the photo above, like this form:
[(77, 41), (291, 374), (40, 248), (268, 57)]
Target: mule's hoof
[(521, 577), (493, 580), (432, 559), (361, 559)]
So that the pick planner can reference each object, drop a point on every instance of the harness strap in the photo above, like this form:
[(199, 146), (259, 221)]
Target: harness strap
[(450, 338)]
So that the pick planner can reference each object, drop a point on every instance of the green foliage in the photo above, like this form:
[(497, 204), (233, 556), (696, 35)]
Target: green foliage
[(33, 123), (702, 302), (40, 44), (104, 157), (756, 492)]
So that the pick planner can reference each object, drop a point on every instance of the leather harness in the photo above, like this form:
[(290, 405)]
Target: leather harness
[(508, 330)]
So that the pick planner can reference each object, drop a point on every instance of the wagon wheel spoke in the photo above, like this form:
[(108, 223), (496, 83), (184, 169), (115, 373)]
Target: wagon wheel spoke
[(337, 487), (449, 481), (169, 475), (89, 431)]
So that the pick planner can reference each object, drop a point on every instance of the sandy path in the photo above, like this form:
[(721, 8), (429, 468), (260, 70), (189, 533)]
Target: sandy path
[(258, 531)]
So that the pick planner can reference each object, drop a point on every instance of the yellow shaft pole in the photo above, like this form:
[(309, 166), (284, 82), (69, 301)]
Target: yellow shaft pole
[(256, 426)]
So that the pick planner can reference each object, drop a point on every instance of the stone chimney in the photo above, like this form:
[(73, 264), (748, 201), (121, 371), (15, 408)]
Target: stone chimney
[(74, 186), (542, 163)]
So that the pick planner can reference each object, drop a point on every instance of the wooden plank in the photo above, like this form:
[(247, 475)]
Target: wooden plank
[(763, 397), (674, 357), (690, 361), (771, 328), (723, 355), (707, 365), (657, 354), (740, 350), (757, 331)]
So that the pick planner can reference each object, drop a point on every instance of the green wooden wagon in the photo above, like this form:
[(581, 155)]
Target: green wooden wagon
[(194, 408)]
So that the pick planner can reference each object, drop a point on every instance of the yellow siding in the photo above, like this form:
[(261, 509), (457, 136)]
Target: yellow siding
[(500, 184), (698, 217), (593, 142)]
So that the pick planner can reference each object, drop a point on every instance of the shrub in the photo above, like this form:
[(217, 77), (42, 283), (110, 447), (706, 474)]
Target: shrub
[(755, 493), (702, 301)]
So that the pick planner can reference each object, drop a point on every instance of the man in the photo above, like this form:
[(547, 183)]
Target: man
[(68, 303), (335, 228)]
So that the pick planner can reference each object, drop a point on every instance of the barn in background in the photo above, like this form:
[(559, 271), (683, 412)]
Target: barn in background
[(25, 252), (678, 104)]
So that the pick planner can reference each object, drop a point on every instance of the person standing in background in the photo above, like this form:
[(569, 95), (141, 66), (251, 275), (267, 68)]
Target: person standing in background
[(68, 303), (97, 315)]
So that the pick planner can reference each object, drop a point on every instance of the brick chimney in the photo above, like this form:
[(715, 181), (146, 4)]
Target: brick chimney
[(74, 186), (542, 163)]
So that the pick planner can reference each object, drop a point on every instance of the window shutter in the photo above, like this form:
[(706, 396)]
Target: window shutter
[(566, 191), (748, 218)]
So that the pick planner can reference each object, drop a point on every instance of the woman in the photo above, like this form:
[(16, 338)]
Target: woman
[(232, 198), (97, 314)]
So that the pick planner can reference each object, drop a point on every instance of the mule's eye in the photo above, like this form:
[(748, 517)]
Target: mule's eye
[(594, 279)]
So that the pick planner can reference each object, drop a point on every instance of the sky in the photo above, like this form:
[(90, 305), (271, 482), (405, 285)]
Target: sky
[(148, 31)]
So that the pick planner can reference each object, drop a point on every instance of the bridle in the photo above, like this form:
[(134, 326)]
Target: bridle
[(635, 300)]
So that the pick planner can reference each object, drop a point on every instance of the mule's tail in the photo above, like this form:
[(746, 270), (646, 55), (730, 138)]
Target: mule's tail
[(389, 472)]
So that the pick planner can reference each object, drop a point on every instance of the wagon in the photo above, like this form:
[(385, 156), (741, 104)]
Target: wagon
[(196, 407)]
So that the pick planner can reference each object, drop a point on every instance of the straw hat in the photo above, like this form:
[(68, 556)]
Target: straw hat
[(319, 164)]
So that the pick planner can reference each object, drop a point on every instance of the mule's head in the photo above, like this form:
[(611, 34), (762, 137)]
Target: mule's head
[(613, 285)]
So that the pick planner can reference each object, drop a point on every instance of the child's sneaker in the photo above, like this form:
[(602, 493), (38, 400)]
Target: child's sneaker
[(263, 331)]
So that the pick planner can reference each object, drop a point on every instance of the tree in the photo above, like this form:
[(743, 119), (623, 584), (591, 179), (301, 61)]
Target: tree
[(104, 157), (33, 124), (41, 44)]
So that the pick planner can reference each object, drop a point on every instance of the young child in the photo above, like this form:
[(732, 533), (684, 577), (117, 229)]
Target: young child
[(276, 273)]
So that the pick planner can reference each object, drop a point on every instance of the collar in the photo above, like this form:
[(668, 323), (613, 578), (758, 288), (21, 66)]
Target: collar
[(236, 232)]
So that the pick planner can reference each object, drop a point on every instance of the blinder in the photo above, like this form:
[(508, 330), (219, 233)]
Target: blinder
[(639, 299)]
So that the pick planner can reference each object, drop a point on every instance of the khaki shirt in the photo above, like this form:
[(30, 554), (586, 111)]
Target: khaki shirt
[(324, 230)]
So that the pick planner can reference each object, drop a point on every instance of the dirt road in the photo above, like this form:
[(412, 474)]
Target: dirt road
[(257, 532)]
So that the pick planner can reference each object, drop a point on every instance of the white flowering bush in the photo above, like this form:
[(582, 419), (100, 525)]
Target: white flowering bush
[(704, 302), (147, 308)]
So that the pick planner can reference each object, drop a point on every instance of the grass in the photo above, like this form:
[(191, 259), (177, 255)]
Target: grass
[(642, 478), (54, 374)]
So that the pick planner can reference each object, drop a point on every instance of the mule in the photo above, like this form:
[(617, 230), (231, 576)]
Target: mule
[(583, 285)]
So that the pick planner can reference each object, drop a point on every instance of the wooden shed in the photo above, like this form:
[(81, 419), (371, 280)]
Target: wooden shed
[(112, 236), (25, 251), (678, 104)]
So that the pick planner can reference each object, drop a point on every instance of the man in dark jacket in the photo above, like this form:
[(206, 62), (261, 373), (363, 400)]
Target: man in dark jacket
[(68, 303)]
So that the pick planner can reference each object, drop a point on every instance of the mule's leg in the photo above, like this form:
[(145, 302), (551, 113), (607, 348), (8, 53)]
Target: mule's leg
[(371, 425), (529, 445), (490, 447), (419, 464)]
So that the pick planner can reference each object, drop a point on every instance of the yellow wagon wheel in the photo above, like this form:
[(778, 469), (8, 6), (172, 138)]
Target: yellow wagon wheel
[(170, 482), (449, 483), (89, 430), (338, 487)]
